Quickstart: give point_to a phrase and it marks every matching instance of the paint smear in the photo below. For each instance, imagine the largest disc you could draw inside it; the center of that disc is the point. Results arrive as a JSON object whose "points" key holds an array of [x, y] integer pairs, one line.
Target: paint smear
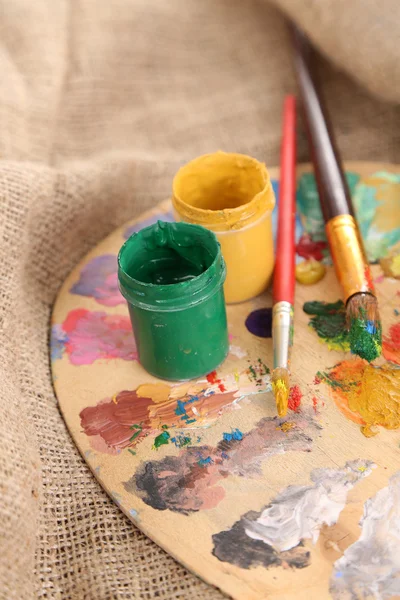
{"points": [[237, 351], [370, 568], [295, 397], [329, 323], [188, 406], [299, 511], [259, 322], [158, 392], [234, 546], [190, 481], [367, 394], [376, 203], [307, 248], [391, 265], [88, 336], [168, 217], [391, 344], [99, 280]]}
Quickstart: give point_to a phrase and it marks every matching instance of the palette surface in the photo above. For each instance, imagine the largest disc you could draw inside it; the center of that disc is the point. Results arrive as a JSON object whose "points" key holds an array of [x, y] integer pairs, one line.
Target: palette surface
{"points": [[305, 506]]}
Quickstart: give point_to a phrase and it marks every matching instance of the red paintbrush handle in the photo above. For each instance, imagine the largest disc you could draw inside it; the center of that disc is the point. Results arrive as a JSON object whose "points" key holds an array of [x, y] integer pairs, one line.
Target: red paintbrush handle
{"points": [[284, 279]]}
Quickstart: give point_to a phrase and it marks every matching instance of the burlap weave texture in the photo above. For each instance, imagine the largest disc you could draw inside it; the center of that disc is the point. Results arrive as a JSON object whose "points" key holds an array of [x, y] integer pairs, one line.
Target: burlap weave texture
{"points": [[100, 102]]}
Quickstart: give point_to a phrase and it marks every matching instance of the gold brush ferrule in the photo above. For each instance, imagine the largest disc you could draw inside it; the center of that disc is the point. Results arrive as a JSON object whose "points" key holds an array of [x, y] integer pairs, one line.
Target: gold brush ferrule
{"points": [[351, 265], [282, 333]]}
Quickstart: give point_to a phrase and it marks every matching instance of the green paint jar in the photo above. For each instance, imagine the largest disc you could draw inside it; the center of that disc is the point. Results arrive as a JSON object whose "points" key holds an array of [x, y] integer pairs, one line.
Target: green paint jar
{"points": [[172, 276]]}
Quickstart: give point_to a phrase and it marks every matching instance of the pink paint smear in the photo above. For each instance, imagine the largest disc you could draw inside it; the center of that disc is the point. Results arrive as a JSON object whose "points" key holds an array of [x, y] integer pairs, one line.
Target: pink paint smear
{"points": [[89, 336]]}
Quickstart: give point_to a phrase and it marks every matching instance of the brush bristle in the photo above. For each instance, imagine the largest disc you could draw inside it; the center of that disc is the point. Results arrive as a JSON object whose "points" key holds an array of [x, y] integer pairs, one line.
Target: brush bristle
{"points": [[365, 330], [281, 388]]}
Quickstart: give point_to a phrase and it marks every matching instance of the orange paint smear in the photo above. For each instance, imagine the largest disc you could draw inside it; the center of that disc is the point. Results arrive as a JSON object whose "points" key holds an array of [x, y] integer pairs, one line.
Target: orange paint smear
{"points": [[391, 344], [366, 394]]}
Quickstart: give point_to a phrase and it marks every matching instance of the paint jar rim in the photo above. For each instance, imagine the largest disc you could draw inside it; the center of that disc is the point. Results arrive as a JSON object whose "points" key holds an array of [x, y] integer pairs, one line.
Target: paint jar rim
{"points": [[175, 296], [259, 204]]}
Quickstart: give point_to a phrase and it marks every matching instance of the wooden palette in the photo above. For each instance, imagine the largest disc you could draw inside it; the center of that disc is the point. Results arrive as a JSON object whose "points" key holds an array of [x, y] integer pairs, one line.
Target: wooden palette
{"points": [[188, 462]]}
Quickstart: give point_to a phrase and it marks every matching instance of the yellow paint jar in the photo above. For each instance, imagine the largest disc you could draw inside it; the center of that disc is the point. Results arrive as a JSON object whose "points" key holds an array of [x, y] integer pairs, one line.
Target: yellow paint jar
{"points": [[232, 195]]}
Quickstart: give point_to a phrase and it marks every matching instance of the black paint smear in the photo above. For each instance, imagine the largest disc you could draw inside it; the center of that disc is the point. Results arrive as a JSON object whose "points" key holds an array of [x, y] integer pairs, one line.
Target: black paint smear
{"points": [[259, 322], [237, 548]]}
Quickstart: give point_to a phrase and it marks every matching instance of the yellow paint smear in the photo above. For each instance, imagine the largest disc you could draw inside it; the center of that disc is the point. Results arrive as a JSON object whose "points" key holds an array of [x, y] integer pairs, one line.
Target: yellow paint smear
{"points": [[377, 399], [287, 426], [391, 266], [158, 392], [281, 393]]}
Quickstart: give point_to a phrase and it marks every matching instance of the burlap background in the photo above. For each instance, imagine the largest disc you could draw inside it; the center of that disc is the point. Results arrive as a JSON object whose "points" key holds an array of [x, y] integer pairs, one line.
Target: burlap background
{"points": [[100, 101]]}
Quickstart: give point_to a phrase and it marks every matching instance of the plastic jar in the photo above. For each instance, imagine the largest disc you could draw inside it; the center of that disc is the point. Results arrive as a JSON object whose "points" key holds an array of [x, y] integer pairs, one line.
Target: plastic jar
{"points": [[232, 195], [172, 276]]}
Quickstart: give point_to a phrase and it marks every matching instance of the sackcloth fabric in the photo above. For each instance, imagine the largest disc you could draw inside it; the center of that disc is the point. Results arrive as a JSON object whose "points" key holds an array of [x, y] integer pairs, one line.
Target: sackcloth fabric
{"points": [[100, 103]]}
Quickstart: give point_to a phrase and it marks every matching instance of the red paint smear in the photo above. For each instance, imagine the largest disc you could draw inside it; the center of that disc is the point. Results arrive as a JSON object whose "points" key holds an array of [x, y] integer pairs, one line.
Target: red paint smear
{"points": [[213, 379], [295, 397], [315, 403], [317, 380], [391, 344], [307, 248], [368, 277]]}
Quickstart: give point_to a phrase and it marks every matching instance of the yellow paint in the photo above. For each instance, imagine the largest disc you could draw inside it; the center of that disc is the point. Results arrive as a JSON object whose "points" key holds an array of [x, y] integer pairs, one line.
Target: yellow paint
{"points": [[232, 195], [281, 393], [309, 271], [287, 426], [377, 398], [158, 392], [391, 265], [387, 216]]}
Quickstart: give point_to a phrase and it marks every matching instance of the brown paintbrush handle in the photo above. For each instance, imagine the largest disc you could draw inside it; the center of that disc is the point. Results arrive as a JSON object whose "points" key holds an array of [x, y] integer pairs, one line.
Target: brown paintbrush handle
{"points": [[332, 185]]}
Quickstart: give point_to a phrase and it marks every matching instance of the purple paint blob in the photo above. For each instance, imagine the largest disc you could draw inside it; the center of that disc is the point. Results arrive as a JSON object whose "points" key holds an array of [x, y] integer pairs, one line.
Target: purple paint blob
{"points": [[99, 280], [259, 322]]}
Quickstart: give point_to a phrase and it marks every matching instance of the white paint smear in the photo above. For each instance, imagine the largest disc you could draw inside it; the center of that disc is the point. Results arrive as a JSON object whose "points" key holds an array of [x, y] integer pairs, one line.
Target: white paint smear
{"points": [[370, 568], [236, 351], [299, 511]]}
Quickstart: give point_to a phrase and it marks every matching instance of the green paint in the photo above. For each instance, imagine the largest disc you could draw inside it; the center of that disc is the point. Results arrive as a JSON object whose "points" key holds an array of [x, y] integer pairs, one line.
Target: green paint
{"points": [[326, 377], [132, 451], [161, 439], [137, 433], [371, 193], [329, 323], [365, 341], [172, 276], [264, 370], [309, 207]]}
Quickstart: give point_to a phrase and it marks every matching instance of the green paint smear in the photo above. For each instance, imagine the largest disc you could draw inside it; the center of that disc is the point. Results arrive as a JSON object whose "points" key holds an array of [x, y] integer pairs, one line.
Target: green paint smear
{"points": [[325, 377], [308, 205], [368, 194], [367, 344], [161, 439], [329, 323]]}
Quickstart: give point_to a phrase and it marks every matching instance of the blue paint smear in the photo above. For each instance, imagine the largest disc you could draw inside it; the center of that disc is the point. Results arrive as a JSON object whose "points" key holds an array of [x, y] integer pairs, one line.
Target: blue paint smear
{"points": [[235, 435], [168, 217], [370, 327], [58, 340], [205, 461], [180, 409]]}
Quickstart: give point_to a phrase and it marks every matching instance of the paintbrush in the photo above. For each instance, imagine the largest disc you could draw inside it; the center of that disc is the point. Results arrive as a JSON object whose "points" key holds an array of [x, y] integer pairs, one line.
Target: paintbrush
{"points": [[351, 265], [284, 278]]}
